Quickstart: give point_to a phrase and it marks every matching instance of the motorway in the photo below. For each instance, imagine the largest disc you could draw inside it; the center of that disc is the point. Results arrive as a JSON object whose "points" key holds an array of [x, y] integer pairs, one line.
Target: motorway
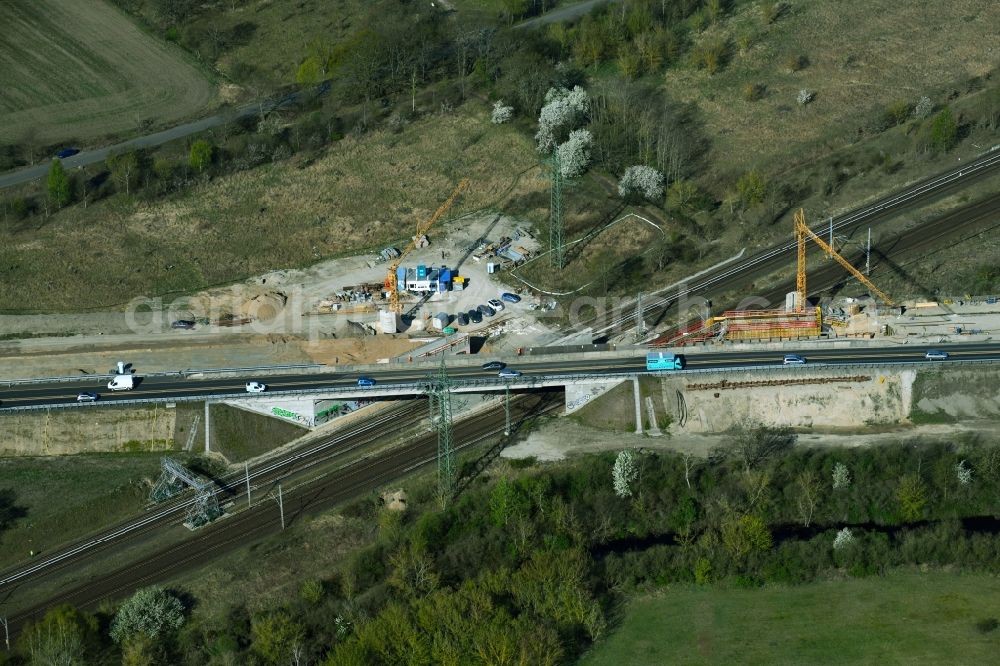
{"points": [[781, 256], [243, 527], [552, 370]]}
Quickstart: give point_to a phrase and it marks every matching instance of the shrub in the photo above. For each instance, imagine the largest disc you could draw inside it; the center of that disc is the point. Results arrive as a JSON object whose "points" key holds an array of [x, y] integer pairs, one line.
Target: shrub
{"points": [[841, 476], [702, 571], [501, 113], [710, 55], [805, 96], [898, 112], [753, 91], [796, 62]]}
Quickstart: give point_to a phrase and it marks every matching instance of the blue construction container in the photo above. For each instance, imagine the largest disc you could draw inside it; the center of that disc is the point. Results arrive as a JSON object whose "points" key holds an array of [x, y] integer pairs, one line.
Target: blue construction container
{"points": [[400, 278], [444, 279], [421, 272]]}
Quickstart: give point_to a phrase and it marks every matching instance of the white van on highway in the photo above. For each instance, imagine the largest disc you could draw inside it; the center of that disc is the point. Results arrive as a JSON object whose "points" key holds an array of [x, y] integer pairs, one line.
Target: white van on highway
{"points": [[122, 383]]}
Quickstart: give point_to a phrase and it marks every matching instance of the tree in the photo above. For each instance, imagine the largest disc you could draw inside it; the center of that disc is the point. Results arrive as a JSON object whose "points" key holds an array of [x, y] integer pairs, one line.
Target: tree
{"points": [[151, 611], [275, 637], [642, 180], [745, 534], [753, 443], [964, 473], [841, 476], [574, 155], [124, 168], [752, 188], [58, 185], [923, 107], [624, 473], [201, 154], [805, 96], [563, 111], [807, 499], [843, 539], [682, 194], [912, 496], [944, 131], [62, 637]]}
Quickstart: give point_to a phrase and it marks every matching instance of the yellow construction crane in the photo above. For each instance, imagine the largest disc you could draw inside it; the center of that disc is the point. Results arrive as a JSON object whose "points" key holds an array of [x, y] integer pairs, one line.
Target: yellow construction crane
{"points": [[801, 232], [391, 281]]}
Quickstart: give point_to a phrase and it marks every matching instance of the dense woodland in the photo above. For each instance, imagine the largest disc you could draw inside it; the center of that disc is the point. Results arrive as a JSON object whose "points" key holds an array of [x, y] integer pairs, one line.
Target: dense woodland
{"points": [[529, 563]]}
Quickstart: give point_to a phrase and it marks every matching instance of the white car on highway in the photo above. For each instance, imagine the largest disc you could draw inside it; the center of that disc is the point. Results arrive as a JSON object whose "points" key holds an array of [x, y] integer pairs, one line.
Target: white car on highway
{"points": [[256, 387]]}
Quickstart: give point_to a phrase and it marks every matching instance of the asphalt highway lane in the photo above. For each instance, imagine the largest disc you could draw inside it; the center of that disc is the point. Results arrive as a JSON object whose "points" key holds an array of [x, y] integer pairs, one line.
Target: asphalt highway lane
{"points": [[263, 519], [56, 394]]}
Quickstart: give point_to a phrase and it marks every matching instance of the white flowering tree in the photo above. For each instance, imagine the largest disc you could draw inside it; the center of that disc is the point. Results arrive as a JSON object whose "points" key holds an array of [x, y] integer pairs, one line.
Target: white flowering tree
{"points": [[964, 473], [642, 180], [805, 96], [574, 155], [923, 107], [841, 476], [151, 611], [501, 112], [563, 111], [624, 473], [843, 539]]}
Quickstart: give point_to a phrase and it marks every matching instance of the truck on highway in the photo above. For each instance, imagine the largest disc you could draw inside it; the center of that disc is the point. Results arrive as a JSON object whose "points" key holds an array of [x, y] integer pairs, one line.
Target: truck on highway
{"points": [[122, 383], [658, 360]]}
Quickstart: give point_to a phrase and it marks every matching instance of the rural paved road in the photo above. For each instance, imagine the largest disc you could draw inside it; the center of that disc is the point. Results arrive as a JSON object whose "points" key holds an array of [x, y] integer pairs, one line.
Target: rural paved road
{"points": [[88, 157], [566, 13]]}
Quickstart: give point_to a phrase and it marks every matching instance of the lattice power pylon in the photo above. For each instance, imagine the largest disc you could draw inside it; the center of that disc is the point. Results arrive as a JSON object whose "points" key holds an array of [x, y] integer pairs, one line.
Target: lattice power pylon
{"points": [[174, 478], [556, 214], [440, 405]]}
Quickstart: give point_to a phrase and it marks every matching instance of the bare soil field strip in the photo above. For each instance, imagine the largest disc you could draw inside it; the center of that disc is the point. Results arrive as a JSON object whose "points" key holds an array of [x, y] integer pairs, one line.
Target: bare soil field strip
{"points": [[82, 70]]}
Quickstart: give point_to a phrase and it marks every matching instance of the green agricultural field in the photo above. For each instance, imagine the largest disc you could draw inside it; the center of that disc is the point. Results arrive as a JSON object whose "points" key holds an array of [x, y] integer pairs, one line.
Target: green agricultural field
{"points": [[82, 70], [45, 502], [903, 618], [363, 194]]}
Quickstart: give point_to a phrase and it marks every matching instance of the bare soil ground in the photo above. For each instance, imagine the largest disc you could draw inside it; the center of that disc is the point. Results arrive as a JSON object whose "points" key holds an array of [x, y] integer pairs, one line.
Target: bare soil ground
{"points": [[62, 432], [241, 351], [82, 70], [862, 55], [558, 439]]}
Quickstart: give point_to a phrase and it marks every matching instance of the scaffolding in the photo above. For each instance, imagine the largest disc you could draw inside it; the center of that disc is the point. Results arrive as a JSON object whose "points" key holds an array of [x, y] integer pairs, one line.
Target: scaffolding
{"points": [[174, 478], [747, 325]]}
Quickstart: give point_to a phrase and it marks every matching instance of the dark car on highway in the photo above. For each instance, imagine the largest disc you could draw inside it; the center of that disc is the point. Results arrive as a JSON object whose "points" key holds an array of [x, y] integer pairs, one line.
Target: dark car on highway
{"points": [[494, 365], [186, 324], [67, 152]]}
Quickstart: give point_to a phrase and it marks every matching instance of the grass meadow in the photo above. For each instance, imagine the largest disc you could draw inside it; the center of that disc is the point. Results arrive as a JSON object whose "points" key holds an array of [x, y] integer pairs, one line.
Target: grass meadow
{"points": [[61, 498], [240, 435], [859, 56], [902, 618], [82, 70]]}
